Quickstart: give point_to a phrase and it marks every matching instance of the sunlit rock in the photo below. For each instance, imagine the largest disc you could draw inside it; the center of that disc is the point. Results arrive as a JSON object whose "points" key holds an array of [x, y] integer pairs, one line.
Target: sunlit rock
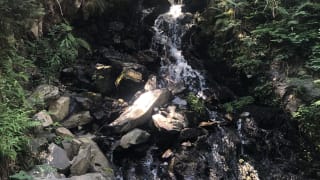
{"points": [[141, 110], [169, 120]]}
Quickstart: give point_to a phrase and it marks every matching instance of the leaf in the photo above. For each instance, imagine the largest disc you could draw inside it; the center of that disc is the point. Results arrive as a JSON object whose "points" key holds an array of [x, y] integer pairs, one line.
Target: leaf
{"points": [[84, 44]]}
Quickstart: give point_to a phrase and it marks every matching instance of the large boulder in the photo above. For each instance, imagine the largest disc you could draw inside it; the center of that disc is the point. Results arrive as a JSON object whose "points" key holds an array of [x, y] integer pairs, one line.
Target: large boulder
{"points": [[59, 109], [99, 163], [43, 93], [134, 137], [82, 162], [58, 158], [79, 119], [141, 110]]}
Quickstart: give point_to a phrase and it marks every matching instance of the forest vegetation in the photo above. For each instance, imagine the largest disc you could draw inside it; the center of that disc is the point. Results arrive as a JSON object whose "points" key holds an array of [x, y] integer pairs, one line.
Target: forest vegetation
{"points": [[248, 36]]}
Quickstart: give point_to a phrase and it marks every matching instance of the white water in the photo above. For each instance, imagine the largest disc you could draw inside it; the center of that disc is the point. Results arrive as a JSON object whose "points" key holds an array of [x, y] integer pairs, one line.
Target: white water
{"points": [[175, 69]]}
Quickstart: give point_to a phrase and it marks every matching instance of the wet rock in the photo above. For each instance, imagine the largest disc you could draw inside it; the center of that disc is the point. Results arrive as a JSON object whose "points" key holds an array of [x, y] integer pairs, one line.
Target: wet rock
{"points": [[177, 88], [192, 133], [82, 162], [151, 84], [180, 102], [140, 111], [59, 109], [267, 117], [99, 163], [43, 93], [79, 119], [44, 118], [58, 157], [169, 120], [64, 132], [134, 137]]}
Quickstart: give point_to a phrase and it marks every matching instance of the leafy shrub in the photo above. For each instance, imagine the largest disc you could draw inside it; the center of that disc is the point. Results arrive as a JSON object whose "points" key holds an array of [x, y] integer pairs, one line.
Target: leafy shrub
{"points": [[196, 104], [57, 50], [22, 175], [238, 104], [309, 119]]}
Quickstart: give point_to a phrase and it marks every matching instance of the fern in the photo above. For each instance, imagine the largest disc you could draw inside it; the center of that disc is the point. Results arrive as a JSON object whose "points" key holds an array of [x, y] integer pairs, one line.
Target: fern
{"points": [[57, 50]]}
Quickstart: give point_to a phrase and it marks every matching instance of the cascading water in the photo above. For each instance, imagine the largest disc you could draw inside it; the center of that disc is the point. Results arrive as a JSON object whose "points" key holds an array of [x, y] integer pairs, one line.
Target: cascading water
{"points": [[222, 152], [169, 29]]}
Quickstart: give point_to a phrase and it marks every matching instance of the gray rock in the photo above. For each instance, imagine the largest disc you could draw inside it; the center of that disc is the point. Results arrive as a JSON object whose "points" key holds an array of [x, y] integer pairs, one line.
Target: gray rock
{"points": [[58, 158], [81, 163], [78, 119], [134, 137], [84, 102], [91, 176], [64, 132], [67, 146], [43, 93], [141, 110], [44, 118], [59, 109], [99, 163]]}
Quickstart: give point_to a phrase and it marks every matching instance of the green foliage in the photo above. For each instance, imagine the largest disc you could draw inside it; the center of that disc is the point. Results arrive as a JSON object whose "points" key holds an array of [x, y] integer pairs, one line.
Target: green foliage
{"points": [[57, 50], [264, 94], [21, 175], [15, 17], [196, 104], [249, 34], [309, 119], [14, 124], [238, 104]]}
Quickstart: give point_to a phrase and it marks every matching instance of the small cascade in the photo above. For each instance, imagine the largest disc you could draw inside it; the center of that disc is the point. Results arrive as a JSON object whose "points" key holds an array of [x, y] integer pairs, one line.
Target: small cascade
{"points": [[169, 29], [239, 129]]}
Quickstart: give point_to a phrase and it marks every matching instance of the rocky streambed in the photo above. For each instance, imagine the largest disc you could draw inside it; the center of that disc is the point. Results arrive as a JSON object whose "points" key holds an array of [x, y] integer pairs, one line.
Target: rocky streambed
{"points": [[126, 113]]}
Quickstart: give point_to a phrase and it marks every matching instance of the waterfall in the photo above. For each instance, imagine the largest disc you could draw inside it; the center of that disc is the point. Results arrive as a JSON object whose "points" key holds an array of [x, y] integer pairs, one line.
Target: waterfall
{"points": [[169, 29]]}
